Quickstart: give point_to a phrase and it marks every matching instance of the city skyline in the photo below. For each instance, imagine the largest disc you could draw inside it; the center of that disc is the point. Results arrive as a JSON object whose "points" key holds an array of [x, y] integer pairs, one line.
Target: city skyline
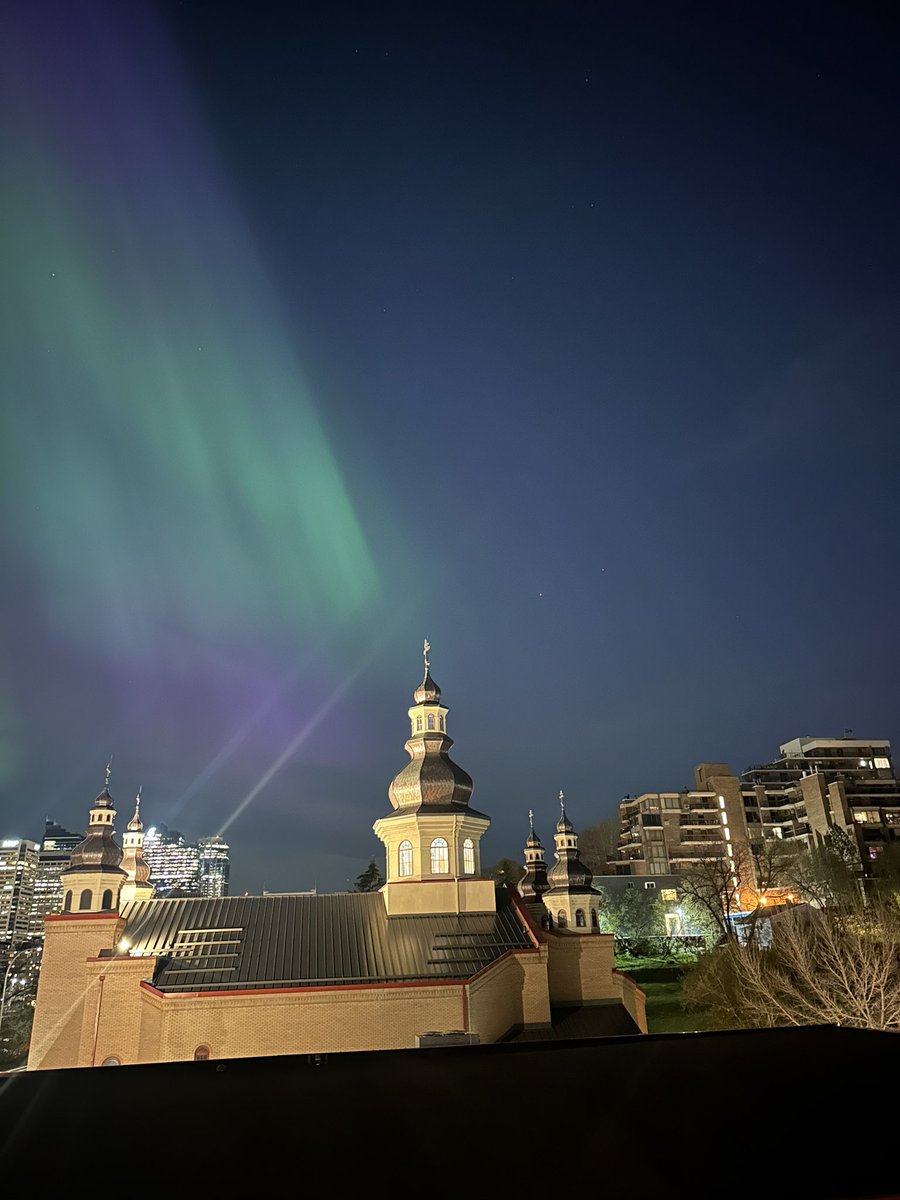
{"points": [[562, 335]]}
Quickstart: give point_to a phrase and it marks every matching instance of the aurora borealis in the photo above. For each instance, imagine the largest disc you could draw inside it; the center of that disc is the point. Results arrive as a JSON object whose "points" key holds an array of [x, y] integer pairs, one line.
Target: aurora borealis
{"points": [[323, 332]]}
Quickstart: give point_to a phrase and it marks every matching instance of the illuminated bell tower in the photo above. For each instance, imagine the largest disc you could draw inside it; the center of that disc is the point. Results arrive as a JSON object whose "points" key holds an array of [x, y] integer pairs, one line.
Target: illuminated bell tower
{"points": [[570, 899], [534, 882], [92, 880], [432, 838], [137, 885]]}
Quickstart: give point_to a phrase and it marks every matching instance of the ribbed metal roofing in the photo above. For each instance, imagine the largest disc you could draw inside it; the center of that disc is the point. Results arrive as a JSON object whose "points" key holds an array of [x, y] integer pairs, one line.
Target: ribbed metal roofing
{"points": [[243, 942]]}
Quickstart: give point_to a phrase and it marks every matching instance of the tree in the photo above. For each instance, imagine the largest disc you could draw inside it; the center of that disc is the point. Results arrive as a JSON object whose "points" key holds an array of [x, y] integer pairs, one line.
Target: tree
{"points": [[724, 885], [827, 873], [505, 870], [370, 880], [713, 885], [597, 845], [838, 965]]}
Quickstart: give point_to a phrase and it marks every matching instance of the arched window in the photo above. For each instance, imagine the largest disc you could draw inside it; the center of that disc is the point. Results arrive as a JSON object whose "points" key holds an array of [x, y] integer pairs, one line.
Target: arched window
{"points": [[201, 1054], [431, 720], [468, 857], [107, 899], [67, 907], [440, 858], [595, 924], [561, 919], [546, 921], [112, 1061], [443, 726], [579, 919], [418, 724], [85, 901], [405, 857]]}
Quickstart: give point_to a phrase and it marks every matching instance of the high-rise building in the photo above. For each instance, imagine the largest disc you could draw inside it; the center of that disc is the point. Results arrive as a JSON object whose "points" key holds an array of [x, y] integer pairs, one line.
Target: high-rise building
{"points": [[57, 845], [214, 866], [18, 868], [174, 863], [815, 785]]}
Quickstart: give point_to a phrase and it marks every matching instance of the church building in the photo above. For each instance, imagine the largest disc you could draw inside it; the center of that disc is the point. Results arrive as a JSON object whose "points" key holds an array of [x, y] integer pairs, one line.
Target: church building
{"points": [[438, 951]]}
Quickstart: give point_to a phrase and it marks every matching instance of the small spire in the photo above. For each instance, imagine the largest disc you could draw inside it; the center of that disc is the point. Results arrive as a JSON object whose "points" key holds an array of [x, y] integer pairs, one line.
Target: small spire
{"points": [[426, 647], [562, 801], [137, 801], [531, 819], [108, 773]]}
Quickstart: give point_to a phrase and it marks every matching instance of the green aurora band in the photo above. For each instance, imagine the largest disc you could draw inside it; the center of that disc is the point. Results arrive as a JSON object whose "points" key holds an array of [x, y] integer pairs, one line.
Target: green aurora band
{"points": [[168, 480]]}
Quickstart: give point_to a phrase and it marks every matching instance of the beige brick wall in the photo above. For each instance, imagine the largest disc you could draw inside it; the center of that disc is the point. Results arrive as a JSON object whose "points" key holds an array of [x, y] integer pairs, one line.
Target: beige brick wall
{"points": [[512, 992], [580, 969], [634, 1000], [113, 1010], [63, 985], [300, 1021]]}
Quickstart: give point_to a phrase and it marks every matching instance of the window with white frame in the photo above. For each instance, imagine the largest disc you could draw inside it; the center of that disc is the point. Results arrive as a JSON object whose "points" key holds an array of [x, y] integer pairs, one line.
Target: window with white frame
{"points": [[440, 857], [468, 857], [404, 854]]}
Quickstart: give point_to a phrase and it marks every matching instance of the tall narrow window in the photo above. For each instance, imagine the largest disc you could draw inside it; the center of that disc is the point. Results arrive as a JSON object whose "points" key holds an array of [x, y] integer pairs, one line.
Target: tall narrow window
{"points": [[418, 724], [67, 907], [443, 726], [85, 901], [594, 922], [431, 720], [468, 857], [440, 858], [579, 918], [107, 899], [561, 919], [405, 857]]}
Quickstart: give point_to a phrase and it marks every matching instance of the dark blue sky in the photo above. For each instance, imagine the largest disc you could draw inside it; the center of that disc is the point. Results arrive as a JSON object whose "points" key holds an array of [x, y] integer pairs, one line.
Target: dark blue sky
{"points": [[597, 308]]}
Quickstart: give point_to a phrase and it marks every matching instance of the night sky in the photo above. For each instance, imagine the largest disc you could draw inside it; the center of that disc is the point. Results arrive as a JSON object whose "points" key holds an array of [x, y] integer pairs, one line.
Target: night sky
{"points": [[563, 334]]}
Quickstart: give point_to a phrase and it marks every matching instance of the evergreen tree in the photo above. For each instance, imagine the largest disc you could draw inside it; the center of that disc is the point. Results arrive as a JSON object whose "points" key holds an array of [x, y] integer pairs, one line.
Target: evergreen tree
{"points": [[370, 880]]}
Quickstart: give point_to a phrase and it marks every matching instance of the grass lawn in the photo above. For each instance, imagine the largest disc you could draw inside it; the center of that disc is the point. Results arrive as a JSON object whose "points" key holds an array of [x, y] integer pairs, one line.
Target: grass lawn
{"points": [[664, 1011], [661, 981]]}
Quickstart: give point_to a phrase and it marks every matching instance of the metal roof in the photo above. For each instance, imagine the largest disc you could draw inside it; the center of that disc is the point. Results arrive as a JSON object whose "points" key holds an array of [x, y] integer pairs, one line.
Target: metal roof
{"points": [[246, 942]]}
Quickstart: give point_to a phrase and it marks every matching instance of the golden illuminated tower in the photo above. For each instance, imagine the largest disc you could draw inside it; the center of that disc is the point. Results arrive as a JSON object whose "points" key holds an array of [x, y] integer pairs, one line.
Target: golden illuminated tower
{"points": [[432, 838], [570, 899], [137, 885], [92, 880]]}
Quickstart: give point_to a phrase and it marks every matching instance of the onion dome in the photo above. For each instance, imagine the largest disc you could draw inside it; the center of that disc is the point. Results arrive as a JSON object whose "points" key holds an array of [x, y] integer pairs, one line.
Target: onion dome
{"points": [[431, 779], [563, 825], [99, 851], [136, 825], [568, 873], [428, 691], [534, 883], [133, 862]]}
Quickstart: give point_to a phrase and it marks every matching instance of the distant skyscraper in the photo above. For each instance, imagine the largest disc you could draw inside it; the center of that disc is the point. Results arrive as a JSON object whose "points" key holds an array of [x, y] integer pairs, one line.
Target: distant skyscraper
{"points": [[57, 845], [18, 868], [174, 863], [214, 866]]}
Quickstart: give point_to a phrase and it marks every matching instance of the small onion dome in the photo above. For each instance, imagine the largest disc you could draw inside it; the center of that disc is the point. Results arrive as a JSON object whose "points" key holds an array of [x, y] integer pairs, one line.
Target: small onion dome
{"points": [[136, 825], [534, 842], [564, 825], [428, 691], [104, 800]]}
